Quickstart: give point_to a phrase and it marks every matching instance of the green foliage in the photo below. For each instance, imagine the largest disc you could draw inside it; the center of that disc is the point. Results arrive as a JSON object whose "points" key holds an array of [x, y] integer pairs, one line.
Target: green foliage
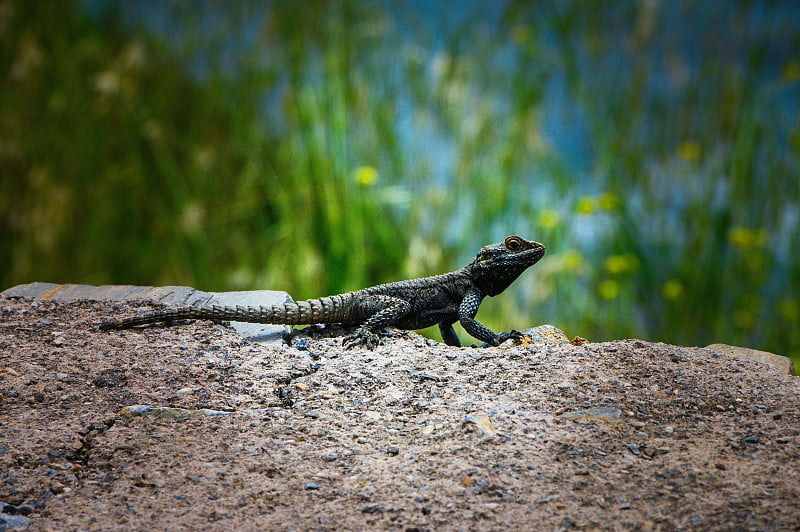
{"points": [[321, 149]]}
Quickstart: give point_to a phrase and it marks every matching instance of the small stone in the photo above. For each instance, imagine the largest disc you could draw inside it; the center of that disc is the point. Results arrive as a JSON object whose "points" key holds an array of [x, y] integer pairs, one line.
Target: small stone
{"points": [[625, 506], [751, 439], [372, 509], [8, 522], [7, 508], [632, 447], [301, 344], [483, 422], [567, 523], [600, 413], [393, 450], [311, 486], [330, 458], [784, 439], [25, 508]]}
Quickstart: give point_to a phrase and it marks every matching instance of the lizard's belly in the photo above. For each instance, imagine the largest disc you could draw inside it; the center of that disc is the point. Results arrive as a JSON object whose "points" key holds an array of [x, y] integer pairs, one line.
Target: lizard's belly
{"points": [[428, 319]]}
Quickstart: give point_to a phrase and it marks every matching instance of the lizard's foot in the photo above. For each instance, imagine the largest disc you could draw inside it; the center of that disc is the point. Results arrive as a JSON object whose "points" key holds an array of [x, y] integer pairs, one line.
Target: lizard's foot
{"points": [[362, 336], [502, 337], [510, 335]]}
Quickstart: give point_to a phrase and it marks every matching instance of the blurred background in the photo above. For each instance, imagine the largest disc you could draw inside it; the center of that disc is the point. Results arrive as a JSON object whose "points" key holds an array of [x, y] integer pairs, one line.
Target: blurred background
{"points": [[323, 146]]}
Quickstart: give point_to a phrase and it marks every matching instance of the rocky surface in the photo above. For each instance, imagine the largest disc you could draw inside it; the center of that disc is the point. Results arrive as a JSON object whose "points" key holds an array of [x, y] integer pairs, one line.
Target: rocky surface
{"points": [[192, 427]]}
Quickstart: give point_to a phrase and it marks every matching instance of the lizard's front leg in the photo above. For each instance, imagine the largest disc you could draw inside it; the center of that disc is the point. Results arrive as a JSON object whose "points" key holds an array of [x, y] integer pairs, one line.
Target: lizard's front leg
{"points": [[389, 310], [466, 315]]}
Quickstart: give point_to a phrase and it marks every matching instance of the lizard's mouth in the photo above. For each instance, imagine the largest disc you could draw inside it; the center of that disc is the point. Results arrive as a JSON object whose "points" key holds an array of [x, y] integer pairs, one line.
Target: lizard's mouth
{"points": [[533, 255]]}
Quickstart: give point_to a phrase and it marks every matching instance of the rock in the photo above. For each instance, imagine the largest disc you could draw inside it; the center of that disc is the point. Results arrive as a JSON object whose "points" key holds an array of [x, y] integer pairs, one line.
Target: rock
{"points": [[8, 522], [301, 344], [169, 412], [779, 362], [600, 413], [545, 333], [170, 295], [483, 422]]}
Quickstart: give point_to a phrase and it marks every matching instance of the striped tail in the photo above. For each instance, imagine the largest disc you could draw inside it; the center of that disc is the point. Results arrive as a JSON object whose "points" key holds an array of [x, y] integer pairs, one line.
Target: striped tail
{"points": [[331, 309]]}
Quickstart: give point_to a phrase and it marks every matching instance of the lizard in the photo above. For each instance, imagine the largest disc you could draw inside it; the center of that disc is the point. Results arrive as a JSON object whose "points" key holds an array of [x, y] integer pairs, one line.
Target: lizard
{"points": [[413, 304]]}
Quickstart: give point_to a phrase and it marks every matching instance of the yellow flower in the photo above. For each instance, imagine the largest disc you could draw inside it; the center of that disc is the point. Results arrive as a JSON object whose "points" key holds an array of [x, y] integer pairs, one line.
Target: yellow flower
{"points": [[616, 264], [585, 205], [548, 219], [521, 34], [672, 289], [609, 201], [744, 238], [791, 70], [609, 289], [572, 260], [689, 151], [366, 176]]}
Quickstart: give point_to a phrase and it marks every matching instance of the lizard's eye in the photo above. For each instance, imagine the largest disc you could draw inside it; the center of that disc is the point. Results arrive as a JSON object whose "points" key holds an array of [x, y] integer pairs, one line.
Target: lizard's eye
{"points": [[513, 243]]}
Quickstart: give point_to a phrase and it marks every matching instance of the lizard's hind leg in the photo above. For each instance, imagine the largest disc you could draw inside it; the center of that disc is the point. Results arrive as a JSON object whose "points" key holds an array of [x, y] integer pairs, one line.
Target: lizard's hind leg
{"points": [[383, 311]]}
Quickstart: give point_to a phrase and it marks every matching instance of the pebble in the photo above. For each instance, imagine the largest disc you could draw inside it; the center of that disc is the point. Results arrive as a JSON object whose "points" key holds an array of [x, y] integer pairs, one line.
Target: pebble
{"points": [[601, 413], [311, 486], [393, 450], [301, 344], [751, 439], [13, 521], [483, 423]]}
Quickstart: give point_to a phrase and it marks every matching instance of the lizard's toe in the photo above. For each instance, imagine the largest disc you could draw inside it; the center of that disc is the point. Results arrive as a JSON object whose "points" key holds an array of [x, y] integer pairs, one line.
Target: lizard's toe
{"points": [[363, 337], [509, 335]]}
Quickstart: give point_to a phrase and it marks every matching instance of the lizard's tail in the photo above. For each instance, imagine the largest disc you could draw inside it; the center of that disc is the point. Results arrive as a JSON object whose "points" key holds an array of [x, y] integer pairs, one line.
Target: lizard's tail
{"points": [[325, 310]]}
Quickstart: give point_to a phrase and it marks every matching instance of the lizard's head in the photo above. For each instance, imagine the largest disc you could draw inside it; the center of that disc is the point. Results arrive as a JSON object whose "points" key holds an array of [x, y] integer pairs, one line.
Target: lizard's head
{"points": [[497, 266]]}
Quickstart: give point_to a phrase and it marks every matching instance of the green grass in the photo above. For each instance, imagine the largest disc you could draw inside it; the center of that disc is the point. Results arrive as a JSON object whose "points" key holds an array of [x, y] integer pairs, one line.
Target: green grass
{"points": [[324, 149]]}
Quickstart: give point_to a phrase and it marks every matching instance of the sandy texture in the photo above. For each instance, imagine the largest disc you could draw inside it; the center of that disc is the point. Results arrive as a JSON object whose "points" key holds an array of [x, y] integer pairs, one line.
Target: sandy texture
{"points": [[411, 436]]}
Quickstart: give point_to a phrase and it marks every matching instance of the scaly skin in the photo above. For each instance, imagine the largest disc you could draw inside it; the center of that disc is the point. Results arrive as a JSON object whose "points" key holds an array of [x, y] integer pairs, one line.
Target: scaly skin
{"points": [[415, 304]]}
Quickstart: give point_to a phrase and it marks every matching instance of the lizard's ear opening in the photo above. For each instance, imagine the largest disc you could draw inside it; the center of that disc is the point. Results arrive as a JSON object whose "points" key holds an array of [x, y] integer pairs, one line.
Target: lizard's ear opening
{"points": [[482, 256]]}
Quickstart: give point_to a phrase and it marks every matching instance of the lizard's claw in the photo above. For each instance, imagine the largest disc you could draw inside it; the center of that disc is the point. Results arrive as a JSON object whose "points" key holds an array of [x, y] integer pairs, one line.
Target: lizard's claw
{"points": [[509, 335], [361, 336], [502, 337]]}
